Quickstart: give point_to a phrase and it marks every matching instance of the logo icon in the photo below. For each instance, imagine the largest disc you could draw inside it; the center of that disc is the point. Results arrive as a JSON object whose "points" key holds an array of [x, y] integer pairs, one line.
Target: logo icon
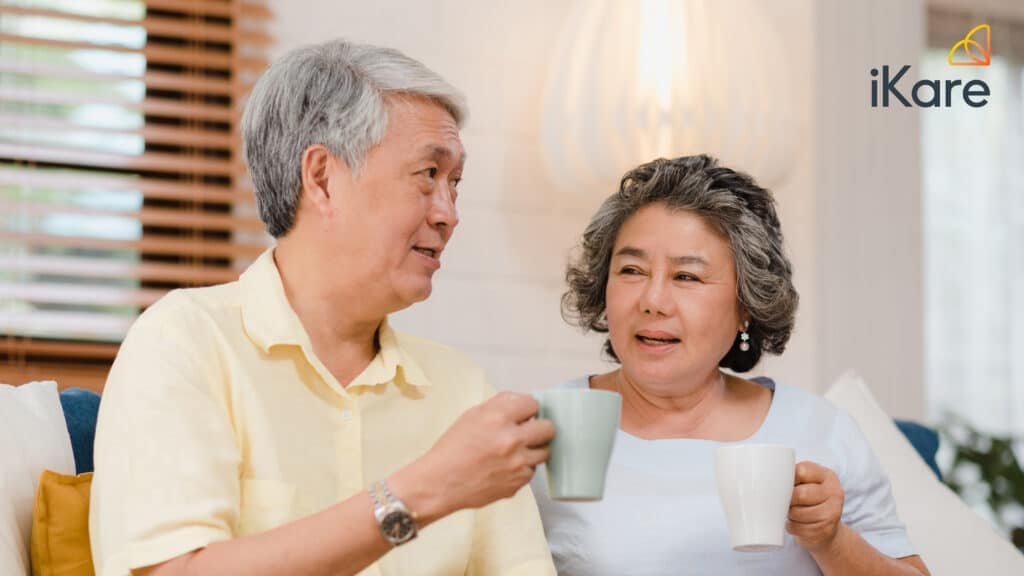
{"points": [[969, 51]]}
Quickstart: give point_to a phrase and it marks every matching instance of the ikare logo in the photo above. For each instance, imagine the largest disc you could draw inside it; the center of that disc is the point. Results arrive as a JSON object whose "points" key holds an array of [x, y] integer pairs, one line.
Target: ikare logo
{"points": [[975, 49]]}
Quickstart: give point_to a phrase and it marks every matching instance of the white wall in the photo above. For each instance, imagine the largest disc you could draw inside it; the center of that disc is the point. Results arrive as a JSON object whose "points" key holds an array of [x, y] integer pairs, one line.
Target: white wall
{"points": [[868, 188], [497, 296]]}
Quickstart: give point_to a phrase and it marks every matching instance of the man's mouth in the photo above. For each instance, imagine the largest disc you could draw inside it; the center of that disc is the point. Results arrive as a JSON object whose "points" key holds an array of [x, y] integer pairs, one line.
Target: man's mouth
{"points": [[426, 251]]}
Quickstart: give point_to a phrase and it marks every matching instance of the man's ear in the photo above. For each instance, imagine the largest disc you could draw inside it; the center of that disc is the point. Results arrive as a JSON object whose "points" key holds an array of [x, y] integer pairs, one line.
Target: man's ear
{"points": [[318, 167]]}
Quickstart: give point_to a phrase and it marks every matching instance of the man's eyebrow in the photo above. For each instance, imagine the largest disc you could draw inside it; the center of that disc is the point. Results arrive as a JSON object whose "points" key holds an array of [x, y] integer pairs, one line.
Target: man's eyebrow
{"points": [[435, 151]]}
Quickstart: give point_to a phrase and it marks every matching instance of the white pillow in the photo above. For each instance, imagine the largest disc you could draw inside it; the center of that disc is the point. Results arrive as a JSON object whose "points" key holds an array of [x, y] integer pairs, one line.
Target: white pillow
{"points": [[950, 537], [33, 437]]}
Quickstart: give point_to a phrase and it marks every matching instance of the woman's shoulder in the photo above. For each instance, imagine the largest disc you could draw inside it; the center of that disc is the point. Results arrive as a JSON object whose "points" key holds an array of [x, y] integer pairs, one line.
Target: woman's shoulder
{"points": [[797, 398], [800, 410], [577, 382]]}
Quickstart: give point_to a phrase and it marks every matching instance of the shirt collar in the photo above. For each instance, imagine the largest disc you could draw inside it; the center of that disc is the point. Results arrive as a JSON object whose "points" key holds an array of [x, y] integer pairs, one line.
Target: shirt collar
{"points": [[391, 363], [270, 321], [268, 317]]}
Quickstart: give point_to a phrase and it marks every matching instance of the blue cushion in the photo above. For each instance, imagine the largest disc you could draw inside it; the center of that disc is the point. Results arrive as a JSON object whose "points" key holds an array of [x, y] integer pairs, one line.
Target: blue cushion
{"points": [[81, 407], [924, 440]]}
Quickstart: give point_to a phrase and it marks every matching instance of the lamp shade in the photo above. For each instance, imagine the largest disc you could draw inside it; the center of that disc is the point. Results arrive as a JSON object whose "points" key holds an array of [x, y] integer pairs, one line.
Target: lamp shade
{"points": [[631, 81]]}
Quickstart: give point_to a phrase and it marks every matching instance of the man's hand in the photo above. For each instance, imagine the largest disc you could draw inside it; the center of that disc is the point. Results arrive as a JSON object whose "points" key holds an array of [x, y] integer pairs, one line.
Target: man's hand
{"points": [[816, 507], [489, 453]]}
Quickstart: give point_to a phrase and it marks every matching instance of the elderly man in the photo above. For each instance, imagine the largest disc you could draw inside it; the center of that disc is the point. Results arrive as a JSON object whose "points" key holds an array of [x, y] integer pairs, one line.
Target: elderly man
{"points": [[278, 424]]}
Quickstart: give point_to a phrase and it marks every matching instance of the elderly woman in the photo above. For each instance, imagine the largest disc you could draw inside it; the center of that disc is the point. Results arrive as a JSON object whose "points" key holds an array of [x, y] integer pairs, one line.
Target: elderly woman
{"points": [[684, 269]]}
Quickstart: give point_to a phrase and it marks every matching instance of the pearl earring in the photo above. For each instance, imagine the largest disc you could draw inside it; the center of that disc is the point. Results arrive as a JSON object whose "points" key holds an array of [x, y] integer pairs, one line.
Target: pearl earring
{"points": [[745, 337]]}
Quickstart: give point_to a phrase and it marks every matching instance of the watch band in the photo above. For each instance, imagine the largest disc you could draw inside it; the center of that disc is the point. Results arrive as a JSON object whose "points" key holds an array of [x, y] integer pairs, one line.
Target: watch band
{"points": [[397, 522], [376, 494], [388, 496]]}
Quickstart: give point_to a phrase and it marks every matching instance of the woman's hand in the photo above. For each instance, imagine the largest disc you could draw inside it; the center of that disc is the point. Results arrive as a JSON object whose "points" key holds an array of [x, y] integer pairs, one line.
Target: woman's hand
{"points": [[816, 507]]}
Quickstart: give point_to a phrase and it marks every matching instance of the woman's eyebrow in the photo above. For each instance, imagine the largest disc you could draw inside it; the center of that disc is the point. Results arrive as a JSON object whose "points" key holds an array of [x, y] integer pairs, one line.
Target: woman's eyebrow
{"points": [[631, 251], [688, 260], [677, 260]]}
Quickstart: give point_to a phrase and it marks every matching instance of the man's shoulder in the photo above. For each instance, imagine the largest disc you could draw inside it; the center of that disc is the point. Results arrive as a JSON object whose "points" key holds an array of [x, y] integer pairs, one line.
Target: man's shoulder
{"points": [[185, 307], [435, 357]]}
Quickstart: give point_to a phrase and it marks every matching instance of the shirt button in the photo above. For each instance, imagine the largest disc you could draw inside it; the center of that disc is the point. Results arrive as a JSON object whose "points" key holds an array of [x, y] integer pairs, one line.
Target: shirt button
{"points": [[346, 415]]}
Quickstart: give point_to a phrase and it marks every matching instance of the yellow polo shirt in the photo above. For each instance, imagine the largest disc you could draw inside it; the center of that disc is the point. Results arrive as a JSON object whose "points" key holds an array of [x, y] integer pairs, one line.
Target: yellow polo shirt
{"points": [[219, 421]]}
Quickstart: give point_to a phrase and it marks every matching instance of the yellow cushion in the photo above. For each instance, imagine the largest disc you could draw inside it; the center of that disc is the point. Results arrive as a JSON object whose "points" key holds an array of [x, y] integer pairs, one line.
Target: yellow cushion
{"points": [[60, 526]]}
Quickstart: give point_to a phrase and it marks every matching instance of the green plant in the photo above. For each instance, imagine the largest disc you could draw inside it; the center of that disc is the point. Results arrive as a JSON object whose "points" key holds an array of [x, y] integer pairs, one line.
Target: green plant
{"points": [[986, 473]]}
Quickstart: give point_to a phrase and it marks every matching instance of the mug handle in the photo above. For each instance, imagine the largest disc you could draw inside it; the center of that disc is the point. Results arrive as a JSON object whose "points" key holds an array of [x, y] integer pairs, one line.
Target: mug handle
{"points": [[538, 395]]}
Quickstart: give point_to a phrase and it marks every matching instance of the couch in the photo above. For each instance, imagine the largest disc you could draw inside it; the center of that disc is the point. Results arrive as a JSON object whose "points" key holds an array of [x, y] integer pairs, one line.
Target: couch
{"points": [[952, 539], [82, 406]]}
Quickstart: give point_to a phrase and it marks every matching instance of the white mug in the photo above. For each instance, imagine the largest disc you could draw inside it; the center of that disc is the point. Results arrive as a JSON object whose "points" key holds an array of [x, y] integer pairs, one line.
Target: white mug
{"points": [[755, 485]]}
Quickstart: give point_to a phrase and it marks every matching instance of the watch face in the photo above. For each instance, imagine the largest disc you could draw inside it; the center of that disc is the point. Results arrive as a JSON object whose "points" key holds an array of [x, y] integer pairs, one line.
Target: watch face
{"points": [[398, 526]]}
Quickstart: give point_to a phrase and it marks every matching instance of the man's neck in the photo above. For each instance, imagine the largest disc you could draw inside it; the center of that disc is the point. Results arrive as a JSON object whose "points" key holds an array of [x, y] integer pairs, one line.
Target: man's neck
{"points": [[340, 321]]}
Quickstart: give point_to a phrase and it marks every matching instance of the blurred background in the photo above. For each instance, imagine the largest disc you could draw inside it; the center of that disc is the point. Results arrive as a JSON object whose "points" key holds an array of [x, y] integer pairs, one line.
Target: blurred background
{"points": [[120, 178]]}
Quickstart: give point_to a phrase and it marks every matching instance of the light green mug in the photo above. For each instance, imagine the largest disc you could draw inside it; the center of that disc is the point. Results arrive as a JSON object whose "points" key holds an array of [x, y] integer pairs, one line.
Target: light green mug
{"points": [[586, 422]]}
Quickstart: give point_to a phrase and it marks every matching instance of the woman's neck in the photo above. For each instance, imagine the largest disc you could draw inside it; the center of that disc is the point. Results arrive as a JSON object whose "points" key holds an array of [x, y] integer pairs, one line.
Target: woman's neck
{"points": [[717, 407]]}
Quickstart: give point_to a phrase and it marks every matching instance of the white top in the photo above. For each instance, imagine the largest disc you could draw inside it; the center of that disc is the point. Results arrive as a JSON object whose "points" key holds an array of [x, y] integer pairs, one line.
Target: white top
{"points": [[661, 514]]}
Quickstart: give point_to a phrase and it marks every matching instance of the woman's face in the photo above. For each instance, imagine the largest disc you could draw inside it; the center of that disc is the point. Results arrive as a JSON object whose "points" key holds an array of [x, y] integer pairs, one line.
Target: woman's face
{"points": [[671, 299]]}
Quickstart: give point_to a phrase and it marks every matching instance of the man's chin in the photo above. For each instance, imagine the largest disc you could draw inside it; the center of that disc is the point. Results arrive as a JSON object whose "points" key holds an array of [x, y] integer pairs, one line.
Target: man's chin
{"points": [[415, 294]]}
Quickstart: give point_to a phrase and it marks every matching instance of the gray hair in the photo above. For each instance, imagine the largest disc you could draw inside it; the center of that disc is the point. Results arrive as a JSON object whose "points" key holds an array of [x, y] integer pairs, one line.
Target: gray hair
{"points": [[334, 94], [729, 201]]}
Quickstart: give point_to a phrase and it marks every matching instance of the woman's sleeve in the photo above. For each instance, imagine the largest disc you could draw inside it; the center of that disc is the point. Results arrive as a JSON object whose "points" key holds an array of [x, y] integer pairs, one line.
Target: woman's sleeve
{"points": [[869, 507]]}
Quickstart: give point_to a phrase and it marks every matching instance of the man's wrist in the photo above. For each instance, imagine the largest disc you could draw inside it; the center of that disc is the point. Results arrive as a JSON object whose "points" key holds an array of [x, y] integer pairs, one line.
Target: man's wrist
{"points": [[421, 494], [397, 523]]}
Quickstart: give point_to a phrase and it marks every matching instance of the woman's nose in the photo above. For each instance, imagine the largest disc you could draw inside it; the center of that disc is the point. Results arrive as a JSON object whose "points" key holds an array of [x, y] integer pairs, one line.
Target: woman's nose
{"points": [[654, 299]]}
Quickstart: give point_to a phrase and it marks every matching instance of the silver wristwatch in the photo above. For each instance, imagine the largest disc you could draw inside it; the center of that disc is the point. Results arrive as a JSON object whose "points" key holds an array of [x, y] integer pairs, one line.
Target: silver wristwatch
{"points": [[396, 522]]}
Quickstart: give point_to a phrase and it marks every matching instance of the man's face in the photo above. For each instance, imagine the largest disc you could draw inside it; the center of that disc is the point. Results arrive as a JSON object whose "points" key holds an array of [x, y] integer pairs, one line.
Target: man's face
{"points": [[391, 223]]}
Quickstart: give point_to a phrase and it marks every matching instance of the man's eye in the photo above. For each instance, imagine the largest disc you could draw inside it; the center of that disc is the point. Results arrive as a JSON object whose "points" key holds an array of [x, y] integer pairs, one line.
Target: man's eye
{"points": [[430, 172], [629, 270], [687, 278]]}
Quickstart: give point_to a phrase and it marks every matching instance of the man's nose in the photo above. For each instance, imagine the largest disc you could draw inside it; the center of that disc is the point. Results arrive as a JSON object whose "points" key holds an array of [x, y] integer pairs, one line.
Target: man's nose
{"points": [[443, 213]]}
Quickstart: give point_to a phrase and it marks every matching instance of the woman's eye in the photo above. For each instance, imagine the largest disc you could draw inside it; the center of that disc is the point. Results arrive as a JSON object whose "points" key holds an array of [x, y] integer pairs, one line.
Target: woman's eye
{"points": [[629, 270], [429, 172], [687, 278]]}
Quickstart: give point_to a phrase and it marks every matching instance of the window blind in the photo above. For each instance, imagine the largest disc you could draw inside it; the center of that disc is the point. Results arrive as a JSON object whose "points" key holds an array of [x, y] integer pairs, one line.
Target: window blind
{"points": [[121, 174]]}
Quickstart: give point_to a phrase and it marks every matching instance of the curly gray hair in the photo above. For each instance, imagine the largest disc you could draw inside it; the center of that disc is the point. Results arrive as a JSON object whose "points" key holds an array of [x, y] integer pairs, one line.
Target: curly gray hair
{"points": [[333, 94], [734, 205]]}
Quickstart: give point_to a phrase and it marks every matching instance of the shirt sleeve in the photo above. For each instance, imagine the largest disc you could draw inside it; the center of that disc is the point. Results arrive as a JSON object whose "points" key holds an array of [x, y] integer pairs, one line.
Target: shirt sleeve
{"points": [[166, 480], [508, 537], [869, 506]]}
